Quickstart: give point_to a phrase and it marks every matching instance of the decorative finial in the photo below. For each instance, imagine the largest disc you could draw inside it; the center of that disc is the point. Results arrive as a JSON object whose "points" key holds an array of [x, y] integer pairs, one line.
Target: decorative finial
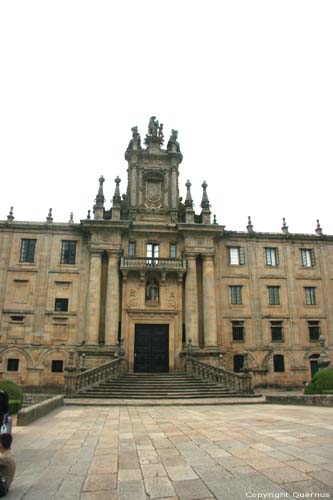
{"points": [[100, 199], [89, 215], [249, 226], [188, 199], [116, 197], [214, 220], [319, 230], [204, 201], [284, 227], [71, 218], [49, 217], [10, 216]]}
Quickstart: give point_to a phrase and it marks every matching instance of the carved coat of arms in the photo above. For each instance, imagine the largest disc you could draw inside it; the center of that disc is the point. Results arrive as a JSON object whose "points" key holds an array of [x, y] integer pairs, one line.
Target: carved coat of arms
{"points": [[153, 193]]}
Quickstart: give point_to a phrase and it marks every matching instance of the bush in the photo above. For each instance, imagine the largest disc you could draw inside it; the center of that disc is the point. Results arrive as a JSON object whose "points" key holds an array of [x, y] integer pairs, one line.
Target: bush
{"points": [[322, 383], [15, 394], [14, 406]]}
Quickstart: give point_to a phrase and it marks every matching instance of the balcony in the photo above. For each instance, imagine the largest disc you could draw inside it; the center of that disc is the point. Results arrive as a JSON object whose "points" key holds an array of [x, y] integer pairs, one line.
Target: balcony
{"points": [[146, 263]]}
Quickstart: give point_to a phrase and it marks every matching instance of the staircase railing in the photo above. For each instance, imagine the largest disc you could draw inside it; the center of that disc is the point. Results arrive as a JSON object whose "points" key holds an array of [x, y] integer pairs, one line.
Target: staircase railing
{"points": [[75, 382], [234, 381]]}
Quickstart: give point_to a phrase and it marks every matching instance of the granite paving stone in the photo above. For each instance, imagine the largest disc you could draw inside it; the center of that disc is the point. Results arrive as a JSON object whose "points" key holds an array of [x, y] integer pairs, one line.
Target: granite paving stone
{"points": [[174, 452]]}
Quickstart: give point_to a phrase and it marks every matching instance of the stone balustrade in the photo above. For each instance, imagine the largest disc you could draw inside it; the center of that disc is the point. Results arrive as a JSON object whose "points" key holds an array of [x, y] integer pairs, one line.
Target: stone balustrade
{"points": [[75, 382], [142, 263], [236, 382]]}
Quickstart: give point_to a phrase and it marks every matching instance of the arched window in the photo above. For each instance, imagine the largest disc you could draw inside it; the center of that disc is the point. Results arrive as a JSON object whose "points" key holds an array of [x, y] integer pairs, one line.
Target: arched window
{"points": [[238, 362], [278, 363]]}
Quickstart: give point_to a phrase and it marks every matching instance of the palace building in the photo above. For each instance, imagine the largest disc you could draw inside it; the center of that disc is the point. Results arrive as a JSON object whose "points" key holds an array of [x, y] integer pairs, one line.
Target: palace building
{"points": [[150, 277]]}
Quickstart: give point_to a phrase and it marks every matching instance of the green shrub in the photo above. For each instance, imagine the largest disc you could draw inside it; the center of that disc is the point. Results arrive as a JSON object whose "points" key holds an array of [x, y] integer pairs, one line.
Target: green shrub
{"points": [[15, 394], [14, 406], [322, 383]]}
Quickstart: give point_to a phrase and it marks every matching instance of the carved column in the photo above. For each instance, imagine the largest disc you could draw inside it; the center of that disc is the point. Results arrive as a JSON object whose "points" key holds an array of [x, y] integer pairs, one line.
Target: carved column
{"points": [[112, 301], [94, 298], [209, 302], [191, 301], [134, 184]]}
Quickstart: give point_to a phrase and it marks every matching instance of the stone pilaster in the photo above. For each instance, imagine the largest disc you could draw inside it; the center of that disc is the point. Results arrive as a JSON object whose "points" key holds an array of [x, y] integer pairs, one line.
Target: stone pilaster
{"points": [[191, 301], [209, 302], [94, 298], [112, 301], [174, 187]]}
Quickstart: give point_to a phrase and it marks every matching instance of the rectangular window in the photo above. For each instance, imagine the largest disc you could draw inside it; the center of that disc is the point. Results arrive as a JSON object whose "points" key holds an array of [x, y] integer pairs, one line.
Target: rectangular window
{"points": [[307, 257], [314, 330], [277, 331], [278, 362], [27, 253], [61, 305], [153, 252], [57, 366], [12, 365], [131, 249], [236, 256], [272, 257], [173, 250], [68, 252], [236, 294], [238, 331], [310, 295], [274, 295]]}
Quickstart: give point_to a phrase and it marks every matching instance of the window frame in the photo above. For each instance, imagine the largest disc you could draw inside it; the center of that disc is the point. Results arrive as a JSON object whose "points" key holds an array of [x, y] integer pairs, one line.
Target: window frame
{"points": [[269, 253], [310, 295], [173, 250], [238, 325], [307, 258], [53, 361], [314, 326], [28, 250], [274, 295], [132, 248], [236, 297], [277, 367], [239, 252], [68, 256], [16, 365], [61, 302], [275, 326]]}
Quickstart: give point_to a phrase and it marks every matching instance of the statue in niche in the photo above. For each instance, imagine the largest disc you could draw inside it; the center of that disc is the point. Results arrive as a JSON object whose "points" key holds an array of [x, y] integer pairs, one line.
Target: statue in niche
{"points": [[152, 292]]}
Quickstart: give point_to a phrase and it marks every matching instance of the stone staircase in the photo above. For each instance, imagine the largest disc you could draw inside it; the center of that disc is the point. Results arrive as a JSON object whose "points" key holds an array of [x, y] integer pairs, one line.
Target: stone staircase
{"points": [[157, 386]]}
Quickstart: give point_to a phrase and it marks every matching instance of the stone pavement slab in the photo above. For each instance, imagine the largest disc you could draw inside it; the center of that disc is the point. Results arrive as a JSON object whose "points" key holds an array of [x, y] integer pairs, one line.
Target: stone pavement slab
{"points": [[175, 452]]}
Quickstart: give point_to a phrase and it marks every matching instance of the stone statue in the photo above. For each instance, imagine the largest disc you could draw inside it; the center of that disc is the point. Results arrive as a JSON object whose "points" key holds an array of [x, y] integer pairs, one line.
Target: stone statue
{"points": [[153, 126], [173, 144], [135, 142], [152, 291]]}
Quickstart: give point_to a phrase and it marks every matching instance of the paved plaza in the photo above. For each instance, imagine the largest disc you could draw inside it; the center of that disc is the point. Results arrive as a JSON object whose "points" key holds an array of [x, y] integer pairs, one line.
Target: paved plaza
{"points": [[174, 452]]}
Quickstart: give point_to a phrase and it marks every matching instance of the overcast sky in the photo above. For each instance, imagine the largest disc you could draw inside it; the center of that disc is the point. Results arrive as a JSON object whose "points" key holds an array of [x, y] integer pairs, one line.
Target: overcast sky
{"points": [[247, 84]]}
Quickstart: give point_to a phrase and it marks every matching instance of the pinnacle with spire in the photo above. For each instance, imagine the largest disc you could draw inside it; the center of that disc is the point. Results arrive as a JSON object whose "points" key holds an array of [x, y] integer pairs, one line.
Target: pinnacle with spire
{"points": [[188, 199], [319, 230], [249, 226], [116, 197], [100, 199], [204, 201], [49, 217], [284, 227], [10, 216]]}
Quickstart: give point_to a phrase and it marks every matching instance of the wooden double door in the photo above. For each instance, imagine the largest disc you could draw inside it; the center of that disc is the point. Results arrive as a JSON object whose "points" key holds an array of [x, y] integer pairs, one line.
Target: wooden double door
{"points": [[151, 348]]}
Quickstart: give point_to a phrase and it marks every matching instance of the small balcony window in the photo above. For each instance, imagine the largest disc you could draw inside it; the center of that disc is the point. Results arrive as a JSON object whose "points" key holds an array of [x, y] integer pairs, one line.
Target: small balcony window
{"points": [[12, 364], [61, 305], [57, 366]]}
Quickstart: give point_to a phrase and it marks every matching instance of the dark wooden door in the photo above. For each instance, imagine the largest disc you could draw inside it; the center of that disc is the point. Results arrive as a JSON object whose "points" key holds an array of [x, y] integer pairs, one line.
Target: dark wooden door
{"points": [[151, 348]]}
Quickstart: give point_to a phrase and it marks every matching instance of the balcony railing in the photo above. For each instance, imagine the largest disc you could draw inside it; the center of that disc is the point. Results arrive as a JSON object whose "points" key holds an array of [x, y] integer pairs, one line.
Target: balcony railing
{"points": [[140, 263]]}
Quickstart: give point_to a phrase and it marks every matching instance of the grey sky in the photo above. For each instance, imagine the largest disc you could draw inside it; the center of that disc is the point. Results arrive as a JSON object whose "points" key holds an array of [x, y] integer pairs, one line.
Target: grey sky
{"points": [[248, 85]]}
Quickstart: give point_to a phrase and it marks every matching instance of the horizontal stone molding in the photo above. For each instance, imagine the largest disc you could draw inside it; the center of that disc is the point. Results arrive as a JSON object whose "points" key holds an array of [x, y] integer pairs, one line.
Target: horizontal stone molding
{"points": [[306, 399]]}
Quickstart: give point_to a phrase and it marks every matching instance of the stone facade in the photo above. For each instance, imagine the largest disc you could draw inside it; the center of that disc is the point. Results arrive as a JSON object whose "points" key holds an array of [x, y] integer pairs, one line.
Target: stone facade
{"points": [[151, 260]]}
